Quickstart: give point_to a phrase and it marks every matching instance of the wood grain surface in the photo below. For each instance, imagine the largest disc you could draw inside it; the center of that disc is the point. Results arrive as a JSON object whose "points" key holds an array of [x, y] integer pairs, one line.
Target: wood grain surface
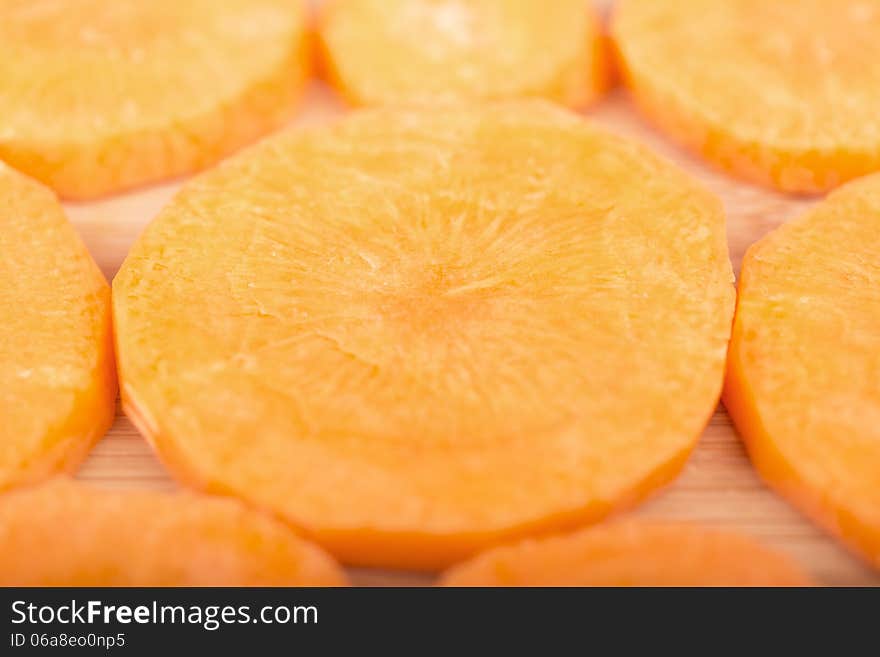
{"points": [[718, 487]]}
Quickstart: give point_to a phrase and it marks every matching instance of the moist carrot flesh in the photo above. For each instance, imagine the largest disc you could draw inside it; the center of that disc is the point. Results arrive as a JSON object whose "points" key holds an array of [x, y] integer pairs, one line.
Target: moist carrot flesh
{"points": [[98, 96], [64, 533], [781, 93], [57, 369], [631, 553], [380, 52], [416, 333], [802, 384]]}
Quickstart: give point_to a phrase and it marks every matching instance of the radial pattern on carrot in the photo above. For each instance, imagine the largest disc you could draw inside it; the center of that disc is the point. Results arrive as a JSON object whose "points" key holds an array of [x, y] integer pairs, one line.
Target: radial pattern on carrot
{"points": [[410, 51], [64, 533], [784, 93], [57, 371], [803, 382], [97, 96], [631, 553], [415, 333]]}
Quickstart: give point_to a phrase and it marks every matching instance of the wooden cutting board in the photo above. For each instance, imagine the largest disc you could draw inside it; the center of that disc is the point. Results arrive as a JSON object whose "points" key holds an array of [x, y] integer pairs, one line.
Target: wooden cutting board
{"points": [[718, 486]]}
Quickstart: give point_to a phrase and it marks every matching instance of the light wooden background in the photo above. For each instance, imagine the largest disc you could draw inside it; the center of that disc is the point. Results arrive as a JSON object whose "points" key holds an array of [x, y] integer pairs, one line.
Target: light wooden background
{"points": [[718, 486]]}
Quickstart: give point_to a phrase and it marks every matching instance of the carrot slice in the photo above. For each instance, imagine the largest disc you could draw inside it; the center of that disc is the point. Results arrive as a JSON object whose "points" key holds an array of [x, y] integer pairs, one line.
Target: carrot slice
{"points": [[415, 333], [64, 533], [783, 93], [803, 384], [631, 553], [57, 372], [404, 51], [98, 96]]}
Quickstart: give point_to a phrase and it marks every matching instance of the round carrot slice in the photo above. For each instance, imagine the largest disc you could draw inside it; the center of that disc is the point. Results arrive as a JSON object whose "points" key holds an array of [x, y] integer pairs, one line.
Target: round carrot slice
{"points": [[415, 333], [783, 93], [406, 51], [631, 553], [803, 384], [63, 533], [57, 375], [97, 96]]}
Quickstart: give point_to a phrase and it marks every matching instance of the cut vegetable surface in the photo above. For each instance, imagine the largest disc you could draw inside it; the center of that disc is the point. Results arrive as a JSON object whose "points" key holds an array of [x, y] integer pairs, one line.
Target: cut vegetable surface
{"points": [[97, 96], [803, 383], [57, 378], [631, 553], [68, 534], [784, 93], [416, 333], [405, 51]]}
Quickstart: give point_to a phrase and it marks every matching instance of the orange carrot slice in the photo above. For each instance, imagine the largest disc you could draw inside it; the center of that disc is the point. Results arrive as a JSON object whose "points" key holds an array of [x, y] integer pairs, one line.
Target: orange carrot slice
{"points": [[784, 93], [416, 333], [405, 51], [97, 96], [803, 384], [631, 553], [57, 372], [63, 533]]}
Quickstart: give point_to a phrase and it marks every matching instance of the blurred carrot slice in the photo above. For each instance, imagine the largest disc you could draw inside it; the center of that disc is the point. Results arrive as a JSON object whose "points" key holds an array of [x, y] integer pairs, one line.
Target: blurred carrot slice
{"points": [[97, 96], [57, 372], [69, 534], [404, 51], [631, 553], [784, 93], [416, 333], [803, 383]]}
